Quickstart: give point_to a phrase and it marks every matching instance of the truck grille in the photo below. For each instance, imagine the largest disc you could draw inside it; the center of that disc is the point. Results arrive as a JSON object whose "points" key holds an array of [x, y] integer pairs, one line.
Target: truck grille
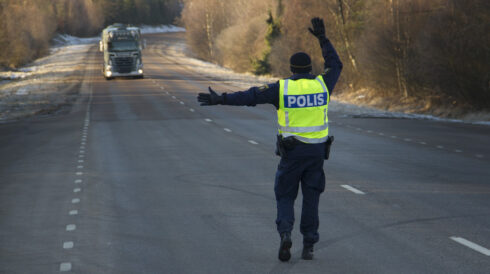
{"points": [[123, 64]]}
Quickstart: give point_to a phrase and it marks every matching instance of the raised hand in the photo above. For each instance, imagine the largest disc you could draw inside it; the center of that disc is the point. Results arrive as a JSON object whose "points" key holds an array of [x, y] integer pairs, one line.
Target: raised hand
{"points": [[318, 27]]}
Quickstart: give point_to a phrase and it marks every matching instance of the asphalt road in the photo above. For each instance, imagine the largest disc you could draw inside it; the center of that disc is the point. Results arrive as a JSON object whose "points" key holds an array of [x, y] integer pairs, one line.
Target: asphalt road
{"points": [[137, 178]]}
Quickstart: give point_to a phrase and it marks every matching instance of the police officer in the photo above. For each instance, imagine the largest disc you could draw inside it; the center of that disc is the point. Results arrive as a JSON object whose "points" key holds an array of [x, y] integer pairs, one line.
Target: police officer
{"points": [[302, 104]]}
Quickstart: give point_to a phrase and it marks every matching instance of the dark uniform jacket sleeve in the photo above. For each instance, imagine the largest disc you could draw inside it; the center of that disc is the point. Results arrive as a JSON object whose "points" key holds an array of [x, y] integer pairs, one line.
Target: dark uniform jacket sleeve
{"points": [[333, 65], [267, 94]]}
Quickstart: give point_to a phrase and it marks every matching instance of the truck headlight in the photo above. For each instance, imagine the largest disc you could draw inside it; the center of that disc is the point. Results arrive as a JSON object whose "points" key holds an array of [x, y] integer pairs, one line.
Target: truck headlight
{"points": [[108, 73], [140, 71]]}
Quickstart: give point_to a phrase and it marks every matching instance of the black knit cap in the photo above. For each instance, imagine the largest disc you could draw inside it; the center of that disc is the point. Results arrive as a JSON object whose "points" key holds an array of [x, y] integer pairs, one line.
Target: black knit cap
{"points": [[300, 63]]}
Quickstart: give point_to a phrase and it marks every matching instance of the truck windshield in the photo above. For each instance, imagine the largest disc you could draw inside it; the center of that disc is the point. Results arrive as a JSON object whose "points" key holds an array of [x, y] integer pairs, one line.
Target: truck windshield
{"points": [[122, 45]]}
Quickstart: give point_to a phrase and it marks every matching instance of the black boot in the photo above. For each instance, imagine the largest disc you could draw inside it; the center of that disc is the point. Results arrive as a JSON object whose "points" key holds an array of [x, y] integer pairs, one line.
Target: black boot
{"points": [[286, 243], [307, 252]]}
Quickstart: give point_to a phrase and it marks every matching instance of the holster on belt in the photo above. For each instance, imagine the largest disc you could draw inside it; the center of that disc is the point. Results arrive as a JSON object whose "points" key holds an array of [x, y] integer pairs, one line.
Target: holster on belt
{"points": [[328, 144], [285, 144]]}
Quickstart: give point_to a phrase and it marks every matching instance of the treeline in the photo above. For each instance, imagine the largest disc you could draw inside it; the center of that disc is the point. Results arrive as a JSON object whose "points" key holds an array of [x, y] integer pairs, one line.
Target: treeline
{"points": [[27, 26], [423, 49]]}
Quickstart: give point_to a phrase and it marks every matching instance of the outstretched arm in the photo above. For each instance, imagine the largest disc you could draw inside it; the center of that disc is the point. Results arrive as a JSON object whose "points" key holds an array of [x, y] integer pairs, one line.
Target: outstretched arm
{"points": [[333, 65], [267, 94]]}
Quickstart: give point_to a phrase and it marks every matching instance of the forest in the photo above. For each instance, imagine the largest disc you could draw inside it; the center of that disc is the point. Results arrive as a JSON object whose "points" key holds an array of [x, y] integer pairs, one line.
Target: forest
{"points": [[435, 51], [27, 26]]}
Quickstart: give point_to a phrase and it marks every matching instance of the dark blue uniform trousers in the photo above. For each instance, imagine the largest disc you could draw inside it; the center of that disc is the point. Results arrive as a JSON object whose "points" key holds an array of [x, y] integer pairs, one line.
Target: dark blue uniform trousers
{"points": [[290, 172]]}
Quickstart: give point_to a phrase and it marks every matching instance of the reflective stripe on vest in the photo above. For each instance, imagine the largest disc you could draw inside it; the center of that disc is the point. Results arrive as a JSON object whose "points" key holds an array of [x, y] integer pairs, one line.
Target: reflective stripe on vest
{"points": [[309, 126]]}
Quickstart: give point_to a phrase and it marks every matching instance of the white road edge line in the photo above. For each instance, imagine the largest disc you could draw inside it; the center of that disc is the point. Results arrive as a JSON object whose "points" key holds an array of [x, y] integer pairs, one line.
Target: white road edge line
{"points": [[471, 245], [355, 190]]}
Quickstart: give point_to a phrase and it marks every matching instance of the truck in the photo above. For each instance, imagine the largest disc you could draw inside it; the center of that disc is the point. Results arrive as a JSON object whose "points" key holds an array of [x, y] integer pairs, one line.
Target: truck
{"points": [[122, 46]]}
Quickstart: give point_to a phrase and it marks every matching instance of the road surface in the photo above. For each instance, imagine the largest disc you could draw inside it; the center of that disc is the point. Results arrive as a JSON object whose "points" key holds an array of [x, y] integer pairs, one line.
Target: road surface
{"points": [[135, 177]]}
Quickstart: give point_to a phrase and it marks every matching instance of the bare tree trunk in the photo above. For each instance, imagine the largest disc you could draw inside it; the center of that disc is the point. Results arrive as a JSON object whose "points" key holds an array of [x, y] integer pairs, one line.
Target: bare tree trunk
{"points": [[399, 55], [343, 34], [209, 33]]}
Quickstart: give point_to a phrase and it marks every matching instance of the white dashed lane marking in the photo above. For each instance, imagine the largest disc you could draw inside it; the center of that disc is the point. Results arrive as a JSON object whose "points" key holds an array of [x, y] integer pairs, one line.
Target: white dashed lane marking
{"points": [[471, 245], [79, 167], [355, 190], [182, 103], [208, 120], [71, 227], [75, 201], [253, 142], [405, 139], [78, 181], [68, 245], [79, 173], [80, 161], [64, 267], [191, 110], [227, 129], [73, 212], [77, 190]]}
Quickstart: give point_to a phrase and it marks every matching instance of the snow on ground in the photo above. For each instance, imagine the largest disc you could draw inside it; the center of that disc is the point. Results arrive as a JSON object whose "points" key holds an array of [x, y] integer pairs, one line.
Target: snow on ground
{"points": [[160, 29], [46, 84], [180, 53]]}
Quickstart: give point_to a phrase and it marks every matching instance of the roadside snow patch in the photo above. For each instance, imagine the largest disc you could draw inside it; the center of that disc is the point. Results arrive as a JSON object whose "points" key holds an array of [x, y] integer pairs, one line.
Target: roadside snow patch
{"points": [[66, 40], [22, 91], [160, 29]]}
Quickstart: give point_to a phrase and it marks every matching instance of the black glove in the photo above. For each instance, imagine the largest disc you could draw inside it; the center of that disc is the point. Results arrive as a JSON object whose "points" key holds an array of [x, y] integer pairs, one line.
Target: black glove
{"points": [[318, 27], [209, 99]]}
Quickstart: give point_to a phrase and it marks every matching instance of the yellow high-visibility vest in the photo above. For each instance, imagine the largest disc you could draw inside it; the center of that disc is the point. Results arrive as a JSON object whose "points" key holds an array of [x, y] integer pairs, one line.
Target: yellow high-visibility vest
{"points": [[303, 107]]}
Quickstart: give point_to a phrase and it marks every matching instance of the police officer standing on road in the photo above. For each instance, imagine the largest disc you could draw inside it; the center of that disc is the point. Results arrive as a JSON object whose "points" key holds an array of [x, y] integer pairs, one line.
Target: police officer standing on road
{"points": [[303, 142]]}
